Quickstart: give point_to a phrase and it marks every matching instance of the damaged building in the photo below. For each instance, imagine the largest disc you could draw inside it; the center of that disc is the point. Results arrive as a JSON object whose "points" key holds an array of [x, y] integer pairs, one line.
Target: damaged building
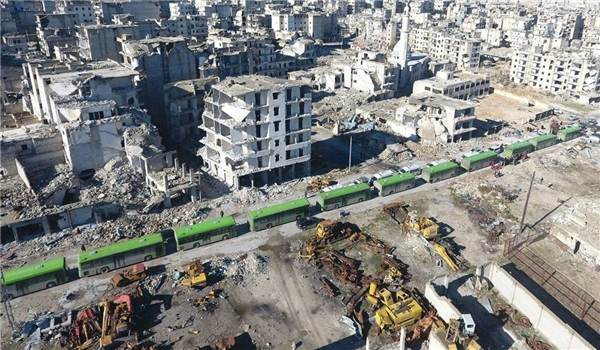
{"points": [[257, 130], [184, 102], [98, 81], [449, 84], [435, 118], [159, 61]]}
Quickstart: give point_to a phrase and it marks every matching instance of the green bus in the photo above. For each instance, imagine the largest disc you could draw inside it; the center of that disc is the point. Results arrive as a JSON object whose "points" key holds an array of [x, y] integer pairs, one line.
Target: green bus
{"points": [[569, 133], [518, 149], [344, 196], [278, 214], [439, 172], [397, 183], [114, 256], [33, 277], [193, 236], [543, 141], [478, 161]]}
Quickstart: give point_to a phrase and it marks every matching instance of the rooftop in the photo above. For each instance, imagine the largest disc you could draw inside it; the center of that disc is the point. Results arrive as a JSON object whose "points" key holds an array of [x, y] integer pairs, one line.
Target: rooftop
{"points": [[239, 86], [440, 101]]}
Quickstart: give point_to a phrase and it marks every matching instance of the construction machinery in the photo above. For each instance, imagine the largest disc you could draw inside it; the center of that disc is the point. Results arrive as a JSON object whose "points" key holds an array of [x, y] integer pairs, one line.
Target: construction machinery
{"points": [[462, 332], [422, 226], [136, 273], [326, 233], [395, 309], [196, 277], [318, 183], [116, 320]]}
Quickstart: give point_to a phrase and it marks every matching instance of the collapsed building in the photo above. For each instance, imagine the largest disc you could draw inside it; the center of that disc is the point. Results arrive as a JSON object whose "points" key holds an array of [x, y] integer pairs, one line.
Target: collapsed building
{"points": [[435, 118], [257, 130]]}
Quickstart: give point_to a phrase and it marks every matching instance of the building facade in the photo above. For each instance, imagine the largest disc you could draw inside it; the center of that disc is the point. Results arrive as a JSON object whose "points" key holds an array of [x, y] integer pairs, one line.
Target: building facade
{"points": [[257, 130]]}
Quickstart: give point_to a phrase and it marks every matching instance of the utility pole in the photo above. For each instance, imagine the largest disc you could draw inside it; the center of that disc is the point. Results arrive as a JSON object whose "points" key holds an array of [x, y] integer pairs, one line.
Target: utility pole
{"points": [[526, 203], [350, 156]]}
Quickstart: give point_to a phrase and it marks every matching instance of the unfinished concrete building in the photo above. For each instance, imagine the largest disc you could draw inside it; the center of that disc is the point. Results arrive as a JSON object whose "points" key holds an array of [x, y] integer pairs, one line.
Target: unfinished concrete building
{"points": [[435, 118], [184, 102], [257, 130]]}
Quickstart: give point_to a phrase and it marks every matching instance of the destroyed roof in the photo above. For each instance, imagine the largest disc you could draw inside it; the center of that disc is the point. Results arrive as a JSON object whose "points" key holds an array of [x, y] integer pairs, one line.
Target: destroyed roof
{"points": [[188, 87], [434, 100], [36, 131], [240, 86]]}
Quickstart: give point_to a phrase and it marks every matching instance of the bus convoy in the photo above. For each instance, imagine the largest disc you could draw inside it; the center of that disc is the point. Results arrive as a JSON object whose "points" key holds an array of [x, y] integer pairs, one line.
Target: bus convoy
{"points": [[101, 260]]}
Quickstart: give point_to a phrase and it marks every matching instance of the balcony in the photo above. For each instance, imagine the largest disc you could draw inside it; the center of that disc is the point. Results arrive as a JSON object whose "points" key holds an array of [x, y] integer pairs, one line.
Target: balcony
{"points": [[297, 145]]}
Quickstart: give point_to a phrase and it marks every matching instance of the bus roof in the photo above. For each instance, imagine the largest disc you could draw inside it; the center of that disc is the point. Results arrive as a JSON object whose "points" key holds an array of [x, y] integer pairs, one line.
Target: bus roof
{"points": [[440, 167], [345, 190], [131, 244], [205, 226], [545, 137], [481, 156], [32, 270], [278, 208], [396, 179], [571, 129], [519, 145]]}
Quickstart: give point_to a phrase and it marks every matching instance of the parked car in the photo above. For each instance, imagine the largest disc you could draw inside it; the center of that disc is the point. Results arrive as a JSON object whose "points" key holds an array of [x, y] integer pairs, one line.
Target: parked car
{"points": [[573, 117], [306, 223], [497, 148], [361, 180]]}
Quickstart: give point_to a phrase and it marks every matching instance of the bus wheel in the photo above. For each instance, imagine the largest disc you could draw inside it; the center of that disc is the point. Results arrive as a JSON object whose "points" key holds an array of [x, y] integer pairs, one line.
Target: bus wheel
{"points": [[360, 200], [298, 217], [148, 258], [391, 193], [336, 206], [196, 245], [225, 237], [105, 269], [407, 188], [7, 297], [50, 285], [269, 225]]}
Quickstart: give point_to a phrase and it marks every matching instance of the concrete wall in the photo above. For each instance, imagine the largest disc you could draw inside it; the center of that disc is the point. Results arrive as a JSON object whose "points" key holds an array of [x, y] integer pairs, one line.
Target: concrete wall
{"points": [[561, 335], [446, 310], [91, 146]]}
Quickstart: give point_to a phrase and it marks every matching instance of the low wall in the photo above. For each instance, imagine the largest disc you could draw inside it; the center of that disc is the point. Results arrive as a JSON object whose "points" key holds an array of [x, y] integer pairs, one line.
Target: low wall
{"points": [[445, 309], [561, 335]]}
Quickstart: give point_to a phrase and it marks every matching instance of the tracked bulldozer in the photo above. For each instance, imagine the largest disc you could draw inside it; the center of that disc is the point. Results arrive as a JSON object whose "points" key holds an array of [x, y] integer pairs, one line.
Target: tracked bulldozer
{"points": [[326, 233]]}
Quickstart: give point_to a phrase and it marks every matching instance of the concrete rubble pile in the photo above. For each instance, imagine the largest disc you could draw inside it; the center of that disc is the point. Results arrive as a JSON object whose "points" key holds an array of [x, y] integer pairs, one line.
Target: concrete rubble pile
{"points": [[116, 182], [16, 196], [238, 269]]}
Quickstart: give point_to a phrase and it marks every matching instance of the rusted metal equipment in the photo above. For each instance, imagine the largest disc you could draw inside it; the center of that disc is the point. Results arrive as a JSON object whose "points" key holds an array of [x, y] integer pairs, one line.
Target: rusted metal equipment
{"points": [[224, 344], [396, 268], [342, 268], [318, 183], [537, 344], [394, 309], [395, 211], [508, 314], [327, 285]]}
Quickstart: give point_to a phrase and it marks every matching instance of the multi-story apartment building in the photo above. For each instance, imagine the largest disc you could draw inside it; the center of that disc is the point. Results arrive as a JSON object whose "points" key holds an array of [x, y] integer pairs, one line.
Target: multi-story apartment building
{"points": [[188, 25], [177, 9], [442, 45], [84, 9], [99, 42], [184, 104], [573, 74], [313, 24], [139, 10], [447, 84], [257, 130]]}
